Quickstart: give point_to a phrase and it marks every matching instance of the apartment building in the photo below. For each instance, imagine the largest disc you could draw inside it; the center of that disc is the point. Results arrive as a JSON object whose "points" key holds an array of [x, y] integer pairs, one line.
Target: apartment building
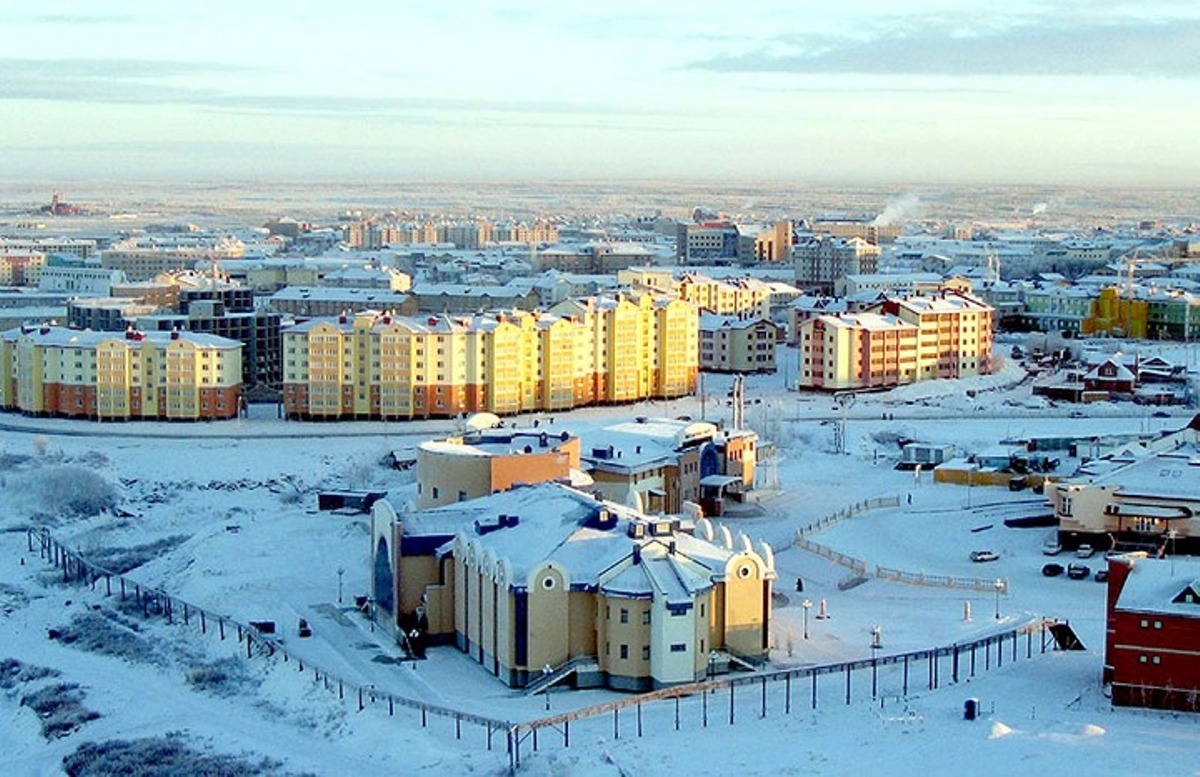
{"points": [[857, 351], [821, 260], [20, 268], [144, 258], [606, 349], [83, 249], [955, 331], [174, 376], [737, 343], [544, 576]]}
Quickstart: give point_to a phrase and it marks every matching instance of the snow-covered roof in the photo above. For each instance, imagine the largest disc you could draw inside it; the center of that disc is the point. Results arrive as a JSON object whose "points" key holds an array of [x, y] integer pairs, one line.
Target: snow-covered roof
{"points": [[1162, 586]]}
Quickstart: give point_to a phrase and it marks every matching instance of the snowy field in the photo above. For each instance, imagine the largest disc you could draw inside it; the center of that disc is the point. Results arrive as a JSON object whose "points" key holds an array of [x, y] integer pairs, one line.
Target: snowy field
{"points": [[223, 515]]}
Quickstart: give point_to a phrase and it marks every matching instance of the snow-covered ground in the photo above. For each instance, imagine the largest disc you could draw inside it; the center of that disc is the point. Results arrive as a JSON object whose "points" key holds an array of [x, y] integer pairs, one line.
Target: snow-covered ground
{"points": [[232, 510]]}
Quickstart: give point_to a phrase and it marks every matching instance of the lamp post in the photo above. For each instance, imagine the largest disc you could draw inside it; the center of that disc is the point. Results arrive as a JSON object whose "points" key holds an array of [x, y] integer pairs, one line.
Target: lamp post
{"points": [[341, 571], [999, 589], [546, 672], [807, 605]]}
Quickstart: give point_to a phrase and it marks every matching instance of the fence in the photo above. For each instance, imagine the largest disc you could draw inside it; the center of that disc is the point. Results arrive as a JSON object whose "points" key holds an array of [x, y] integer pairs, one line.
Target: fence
{"points": [[153, 602], [863, 569], [693, 698], [698, 704]]}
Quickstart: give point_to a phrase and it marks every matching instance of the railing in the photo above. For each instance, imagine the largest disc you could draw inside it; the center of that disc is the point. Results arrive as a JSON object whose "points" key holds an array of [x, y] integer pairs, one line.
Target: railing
{"points": [[863, 569], [155, 602], [900, 673]]}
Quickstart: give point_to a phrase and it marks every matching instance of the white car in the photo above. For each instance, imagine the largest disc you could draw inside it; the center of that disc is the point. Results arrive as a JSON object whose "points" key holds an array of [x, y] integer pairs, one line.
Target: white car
{"points": [[1085, 551], [979, 556], [1052, 547]]}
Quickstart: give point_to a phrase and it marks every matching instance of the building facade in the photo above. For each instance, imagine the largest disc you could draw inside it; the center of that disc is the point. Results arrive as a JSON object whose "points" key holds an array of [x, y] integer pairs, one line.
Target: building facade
{"points": [[546, 578], [857, 351], [737, 344], [820, 261], [53, 371], [591, 351]]}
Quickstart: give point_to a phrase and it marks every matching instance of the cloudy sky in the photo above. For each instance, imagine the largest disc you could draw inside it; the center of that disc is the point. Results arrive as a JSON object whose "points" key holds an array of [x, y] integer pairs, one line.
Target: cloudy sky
{"points": [[857, 91]]}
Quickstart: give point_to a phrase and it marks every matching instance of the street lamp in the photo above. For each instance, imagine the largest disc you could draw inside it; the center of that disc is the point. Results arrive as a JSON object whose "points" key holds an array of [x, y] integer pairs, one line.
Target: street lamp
{"points": [[807, 605], [999, 590], [546, 672], [341, 571]]}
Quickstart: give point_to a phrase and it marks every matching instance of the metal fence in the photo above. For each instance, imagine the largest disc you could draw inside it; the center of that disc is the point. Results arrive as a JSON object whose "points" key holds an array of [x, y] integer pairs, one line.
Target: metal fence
{"points": [[760, 694], [152, 602], [696, 704], [863, 569]]}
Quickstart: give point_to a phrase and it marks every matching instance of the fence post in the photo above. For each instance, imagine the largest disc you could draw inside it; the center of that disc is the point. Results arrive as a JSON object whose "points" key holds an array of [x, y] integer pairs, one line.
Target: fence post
{"points": [[847, 683], [567, 730], [639, 719], [814, 690], [764, 697], [704, 707], [905, 683], [676, 713], [787, 694], [731, 703], [616, 722], [874, 679], [954, 666]]}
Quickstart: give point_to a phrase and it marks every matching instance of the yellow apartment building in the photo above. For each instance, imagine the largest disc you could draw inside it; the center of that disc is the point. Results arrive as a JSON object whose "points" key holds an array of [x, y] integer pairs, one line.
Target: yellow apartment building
{"points": [[106, 376], [594, 350]]}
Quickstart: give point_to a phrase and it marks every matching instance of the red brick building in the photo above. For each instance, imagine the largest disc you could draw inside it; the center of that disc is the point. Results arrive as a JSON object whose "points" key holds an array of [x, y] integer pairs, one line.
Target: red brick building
{"points": [[1152, 639]]}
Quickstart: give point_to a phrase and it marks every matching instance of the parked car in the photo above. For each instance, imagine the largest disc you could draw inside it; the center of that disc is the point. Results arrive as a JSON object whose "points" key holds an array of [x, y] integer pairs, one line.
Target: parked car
{"points": [[1017, 484], [1085, 551], [1079, 571], [1101, 576], [1161, 414], [983, 555], [1052, 570], [1052, 547]]}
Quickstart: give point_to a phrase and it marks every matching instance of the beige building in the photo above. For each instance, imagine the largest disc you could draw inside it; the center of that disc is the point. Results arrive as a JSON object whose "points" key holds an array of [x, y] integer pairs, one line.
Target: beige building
{"points": [[954, 333], [857, 351], [545, 583], [737, 344], [483, 462], [54, 371], [20, 268], [821, 261], [1145, 496]]}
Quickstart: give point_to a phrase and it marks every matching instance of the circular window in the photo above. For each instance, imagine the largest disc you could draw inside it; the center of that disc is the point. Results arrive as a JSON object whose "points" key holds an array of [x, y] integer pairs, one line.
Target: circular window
{"points": [[548, 583], [744, 571]]}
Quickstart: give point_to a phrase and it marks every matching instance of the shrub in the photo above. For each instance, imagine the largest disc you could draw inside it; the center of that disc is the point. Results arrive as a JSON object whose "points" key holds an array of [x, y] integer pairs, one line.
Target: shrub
{"points": [[14, 673], [60, 708], [107, 633], [165, 756], [223, 677], [122, 560], [75, 489]]}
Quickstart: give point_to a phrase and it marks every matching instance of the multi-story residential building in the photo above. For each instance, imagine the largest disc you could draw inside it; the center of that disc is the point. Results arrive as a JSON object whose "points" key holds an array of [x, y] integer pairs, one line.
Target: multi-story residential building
{"points": [[368, 277], [954, 333], [774, 243], [857, 351], [715, 242], [867, 228], [544, 576], [594, 350], [314, 301], [737, 343], [733, 297], [820, 261], [83, 249], [461, 298], [106, 314], [77, 280], [55, 371], [487, 461], [258, 330], [1152, 635], [897, 284], [20, 268], [143, 259]]}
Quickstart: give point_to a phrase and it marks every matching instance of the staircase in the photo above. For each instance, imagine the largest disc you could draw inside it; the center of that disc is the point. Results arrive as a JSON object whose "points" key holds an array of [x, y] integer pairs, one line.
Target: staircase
{"points": [[559, 673]]}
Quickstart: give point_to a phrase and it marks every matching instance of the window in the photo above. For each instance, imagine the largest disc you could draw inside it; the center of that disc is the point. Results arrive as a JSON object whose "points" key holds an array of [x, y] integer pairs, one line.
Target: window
{"points": [[646, 653], [624, 617], [1158, 624], [1156, 660], [435, 492], [679, 647], [625, 653], [646, 618]]}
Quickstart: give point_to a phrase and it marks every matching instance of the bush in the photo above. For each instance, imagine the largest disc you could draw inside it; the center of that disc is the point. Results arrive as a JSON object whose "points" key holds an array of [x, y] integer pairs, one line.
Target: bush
{"points": [[122, 560], [223, 677], [165, 756], [14, 673], [76, 490], [107, 633], [60, 708]]}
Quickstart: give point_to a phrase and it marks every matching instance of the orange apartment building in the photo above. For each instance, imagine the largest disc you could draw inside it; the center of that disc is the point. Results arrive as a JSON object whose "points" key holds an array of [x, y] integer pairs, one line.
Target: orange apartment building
{"points": [[107, 376]]}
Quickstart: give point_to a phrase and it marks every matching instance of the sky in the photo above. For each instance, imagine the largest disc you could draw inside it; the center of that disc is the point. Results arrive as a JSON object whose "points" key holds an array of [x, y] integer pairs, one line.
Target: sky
{"points": [[1095, 92]]}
